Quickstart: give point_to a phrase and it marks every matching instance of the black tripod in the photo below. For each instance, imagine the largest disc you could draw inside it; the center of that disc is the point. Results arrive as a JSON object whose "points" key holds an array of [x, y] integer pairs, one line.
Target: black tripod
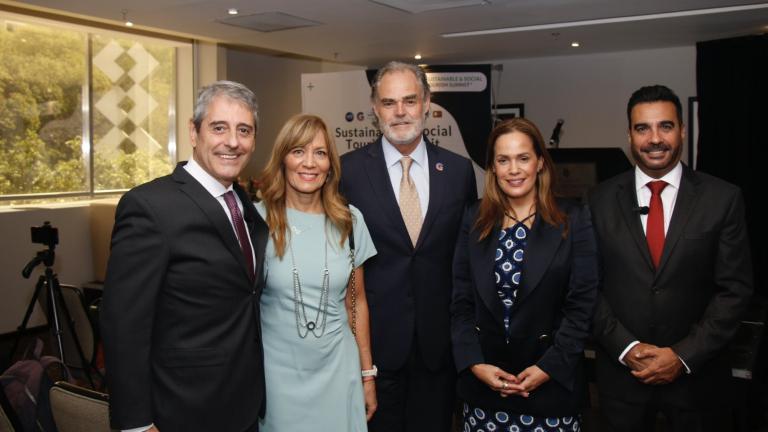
{"points": [[50, 283]]}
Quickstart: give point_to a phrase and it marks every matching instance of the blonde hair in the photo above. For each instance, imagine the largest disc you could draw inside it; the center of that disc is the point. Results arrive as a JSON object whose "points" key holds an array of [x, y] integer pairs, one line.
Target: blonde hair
{"points": [[494, 202], [299, 131]]}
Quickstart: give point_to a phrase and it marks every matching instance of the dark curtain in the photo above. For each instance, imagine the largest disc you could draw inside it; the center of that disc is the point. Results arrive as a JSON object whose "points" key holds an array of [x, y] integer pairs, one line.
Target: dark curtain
{"points": [[732, 87]]}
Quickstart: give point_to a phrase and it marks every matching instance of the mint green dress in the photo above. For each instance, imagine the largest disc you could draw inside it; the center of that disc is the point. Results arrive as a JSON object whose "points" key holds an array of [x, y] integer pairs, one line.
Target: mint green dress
{"points": [[313, 383]]}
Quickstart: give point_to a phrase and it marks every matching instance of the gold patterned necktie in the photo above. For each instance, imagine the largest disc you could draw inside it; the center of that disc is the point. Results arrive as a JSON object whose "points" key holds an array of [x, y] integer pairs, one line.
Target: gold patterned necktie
{"points": [[410, 207]]}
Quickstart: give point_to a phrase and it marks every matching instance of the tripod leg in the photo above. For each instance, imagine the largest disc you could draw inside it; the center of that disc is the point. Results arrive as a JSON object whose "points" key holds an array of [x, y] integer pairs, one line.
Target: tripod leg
{"points": [[71, 327], [53, 313], [23, 326]]}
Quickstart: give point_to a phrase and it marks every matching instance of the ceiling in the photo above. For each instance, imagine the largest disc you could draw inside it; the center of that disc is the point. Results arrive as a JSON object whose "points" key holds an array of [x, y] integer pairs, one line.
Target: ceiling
{"points": [[368, 33]]}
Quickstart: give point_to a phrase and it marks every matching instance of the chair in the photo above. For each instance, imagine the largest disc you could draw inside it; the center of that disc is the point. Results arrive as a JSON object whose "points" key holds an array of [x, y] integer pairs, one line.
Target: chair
{"points": [[8, 420], [78, 409]]}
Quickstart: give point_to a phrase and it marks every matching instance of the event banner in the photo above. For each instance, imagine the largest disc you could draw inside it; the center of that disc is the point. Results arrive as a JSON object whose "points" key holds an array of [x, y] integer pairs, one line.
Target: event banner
{"points": [[459, 118]]}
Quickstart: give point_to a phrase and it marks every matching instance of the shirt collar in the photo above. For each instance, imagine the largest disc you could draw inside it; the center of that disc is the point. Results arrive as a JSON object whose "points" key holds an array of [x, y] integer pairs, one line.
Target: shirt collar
{"points": [[672, 178], [392, 156], [209, 183]]}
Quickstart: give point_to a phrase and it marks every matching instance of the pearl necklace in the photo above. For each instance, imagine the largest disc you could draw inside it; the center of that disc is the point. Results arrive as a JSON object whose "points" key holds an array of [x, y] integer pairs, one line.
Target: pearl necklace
{"points": [[318, 324]]}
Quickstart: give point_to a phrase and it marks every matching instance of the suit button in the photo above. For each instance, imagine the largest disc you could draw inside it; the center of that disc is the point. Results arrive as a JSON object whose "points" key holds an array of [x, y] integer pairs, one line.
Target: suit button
{"points": [[253, 292], [655, 290]]}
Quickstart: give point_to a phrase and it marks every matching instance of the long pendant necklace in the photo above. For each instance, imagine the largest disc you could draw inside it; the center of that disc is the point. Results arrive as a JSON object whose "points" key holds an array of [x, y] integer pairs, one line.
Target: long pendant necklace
{"points": [[316, 326]]}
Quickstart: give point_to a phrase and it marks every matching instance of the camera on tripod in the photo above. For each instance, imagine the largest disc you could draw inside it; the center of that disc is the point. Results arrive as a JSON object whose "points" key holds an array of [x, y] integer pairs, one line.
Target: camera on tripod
{"points": [[45, 235]]}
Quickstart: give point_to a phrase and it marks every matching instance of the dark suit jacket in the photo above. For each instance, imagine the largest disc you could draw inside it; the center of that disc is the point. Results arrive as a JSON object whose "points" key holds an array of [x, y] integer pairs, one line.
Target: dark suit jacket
{"points": [[180, 315], [550, 319], [695, 300], [409, 289]]}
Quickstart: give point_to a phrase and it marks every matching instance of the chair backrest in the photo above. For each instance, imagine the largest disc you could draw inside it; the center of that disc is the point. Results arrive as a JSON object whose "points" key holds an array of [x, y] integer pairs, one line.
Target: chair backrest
{"points": [[77, 409], [5, 422], [83, 327]]}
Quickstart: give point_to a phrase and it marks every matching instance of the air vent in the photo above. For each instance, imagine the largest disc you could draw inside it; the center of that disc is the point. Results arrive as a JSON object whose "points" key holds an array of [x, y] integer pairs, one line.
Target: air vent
{"points": [[268, 22]]}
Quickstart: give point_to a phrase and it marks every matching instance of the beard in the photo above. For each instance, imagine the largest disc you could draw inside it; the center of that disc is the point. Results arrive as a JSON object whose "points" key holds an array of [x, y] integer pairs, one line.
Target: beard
{"points": [[403, 136]]}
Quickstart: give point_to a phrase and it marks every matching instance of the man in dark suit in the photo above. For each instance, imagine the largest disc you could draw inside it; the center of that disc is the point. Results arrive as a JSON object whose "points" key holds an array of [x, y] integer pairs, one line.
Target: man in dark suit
{"points": [[677, 278], [180, 313], [412, 195]]}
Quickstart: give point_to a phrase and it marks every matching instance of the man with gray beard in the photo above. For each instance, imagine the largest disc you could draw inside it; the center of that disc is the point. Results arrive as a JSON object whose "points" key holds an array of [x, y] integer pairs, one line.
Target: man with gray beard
{"points": [[412, 195]]}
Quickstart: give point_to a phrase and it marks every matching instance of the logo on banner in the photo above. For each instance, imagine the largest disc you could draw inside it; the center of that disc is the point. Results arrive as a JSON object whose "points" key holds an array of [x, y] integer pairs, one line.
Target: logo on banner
{"points": [[349, 116], [360, 116]]}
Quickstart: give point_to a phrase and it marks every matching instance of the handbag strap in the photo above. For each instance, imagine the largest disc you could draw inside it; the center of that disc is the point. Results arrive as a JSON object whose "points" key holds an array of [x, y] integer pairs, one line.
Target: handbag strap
{"points": [[352, 287]]}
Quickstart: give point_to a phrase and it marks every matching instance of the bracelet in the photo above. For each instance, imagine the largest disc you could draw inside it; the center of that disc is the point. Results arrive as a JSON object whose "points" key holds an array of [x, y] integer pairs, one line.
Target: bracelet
{"points": [[368, 378], [370, 372]]}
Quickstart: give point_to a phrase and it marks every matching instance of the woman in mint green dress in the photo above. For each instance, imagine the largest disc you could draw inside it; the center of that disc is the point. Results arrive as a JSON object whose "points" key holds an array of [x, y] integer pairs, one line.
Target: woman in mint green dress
{"points": [[317, 357]]}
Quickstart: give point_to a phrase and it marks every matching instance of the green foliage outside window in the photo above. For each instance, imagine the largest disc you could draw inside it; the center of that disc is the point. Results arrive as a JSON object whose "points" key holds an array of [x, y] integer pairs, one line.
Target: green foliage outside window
{"points": [[42, 75]]}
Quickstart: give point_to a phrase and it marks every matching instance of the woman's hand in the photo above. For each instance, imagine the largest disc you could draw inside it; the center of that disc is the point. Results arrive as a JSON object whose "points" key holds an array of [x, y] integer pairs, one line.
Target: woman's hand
{"points": [[499, 380], [369, 393], [531, 378]]}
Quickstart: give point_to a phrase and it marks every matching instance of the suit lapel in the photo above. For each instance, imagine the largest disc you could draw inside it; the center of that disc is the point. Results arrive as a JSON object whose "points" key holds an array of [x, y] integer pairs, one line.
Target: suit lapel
{"points": [[378, 175], [437, 187], [212, 210], [543, 242], [684, 204], [482, 255], [626, 197]]}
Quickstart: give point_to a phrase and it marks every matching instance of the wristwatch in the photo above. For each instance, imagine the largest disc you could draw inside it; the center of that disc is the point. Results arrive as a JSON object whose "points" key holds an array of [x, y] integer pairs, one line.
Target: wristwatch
{"points": [[370, 372]]}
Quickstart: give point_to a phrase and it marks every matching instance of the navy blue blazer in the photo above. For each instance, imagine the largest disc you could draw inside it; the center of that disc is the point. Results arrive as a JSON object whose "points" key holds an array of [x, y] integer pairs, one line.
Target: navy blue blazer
{"points": [[550, 319], [409, 288]]}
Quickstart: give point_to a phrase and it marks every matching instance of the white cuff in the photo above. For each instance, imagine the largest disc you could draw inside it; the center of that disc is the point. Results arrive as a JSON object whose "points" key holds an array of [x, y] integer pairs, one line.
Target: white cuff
{"points": [[626, 350], [139, 429]]}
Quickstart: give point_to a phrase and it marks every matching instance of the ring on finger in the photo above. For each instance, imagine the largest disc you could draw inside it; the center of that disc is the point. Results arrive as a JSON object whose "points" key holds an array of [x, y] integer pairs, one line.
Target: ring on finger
{"points": [[504, 385]]}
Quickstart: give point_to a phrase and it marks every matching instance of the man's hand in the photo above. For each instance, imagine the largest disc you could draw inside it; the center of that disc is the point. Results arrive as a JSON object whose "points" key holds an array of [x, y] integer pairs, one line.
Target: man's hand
{"points": [[498, 380], [664, 366], [636, 359]]}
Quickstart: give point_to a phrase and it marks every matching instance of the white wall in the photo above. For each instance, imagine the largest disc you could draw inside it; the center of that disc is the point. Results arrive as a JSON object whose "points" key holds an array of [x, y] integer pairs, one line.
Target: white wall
{"points": [[590, 92], [73, 262]]}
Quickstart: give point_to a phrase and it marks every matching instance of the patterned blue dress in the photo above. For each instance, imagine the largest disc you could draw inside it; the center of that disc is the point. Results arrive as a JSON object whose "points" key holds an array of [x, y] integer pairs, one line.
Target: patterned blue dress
{"points": [[508, 270]]}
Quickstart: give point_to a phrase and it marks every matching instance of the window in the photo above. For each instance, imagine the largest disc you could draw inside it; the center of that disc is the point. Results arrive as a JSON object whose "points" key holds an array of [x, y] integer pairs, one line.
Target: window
{"points": [[83, 111]]}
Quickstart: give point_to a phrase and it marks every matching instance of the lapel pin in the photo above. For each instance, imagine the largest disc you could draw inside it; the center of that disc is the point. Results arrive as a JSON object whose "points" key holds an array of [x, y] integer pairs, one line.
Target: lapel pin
{"points": [[439, 166]]}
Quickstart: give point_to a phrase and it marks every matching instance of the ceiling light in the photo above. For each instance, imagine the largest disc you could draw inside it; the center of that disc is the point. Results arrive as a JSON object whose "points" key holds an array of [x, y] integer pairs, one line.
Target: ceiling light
{"points": [[128, 23], [232, 11], [417, 57], [614, 20], [575, 44]]}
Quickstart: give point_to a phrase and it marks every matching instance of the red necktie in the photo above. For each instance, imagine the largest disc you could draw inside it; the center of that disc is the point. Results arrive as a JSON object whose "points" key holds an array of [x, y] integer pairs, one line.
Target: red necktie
{"points": [[242, 234], [654, 230]]}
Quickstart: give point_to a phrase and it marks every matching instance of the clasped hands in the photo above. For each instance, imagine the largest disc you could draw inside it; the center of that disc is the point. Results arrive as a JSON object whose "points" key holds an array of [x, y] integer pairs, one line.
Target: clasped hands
{"points": [[508, 384], [653, 365]]}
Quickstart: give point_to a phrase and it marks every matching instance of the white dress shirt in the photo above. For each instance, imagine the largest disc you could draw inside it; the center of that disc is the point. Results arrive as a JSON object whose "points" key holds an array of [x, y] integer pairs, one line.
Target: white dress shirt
{"points": [[419, 170]]}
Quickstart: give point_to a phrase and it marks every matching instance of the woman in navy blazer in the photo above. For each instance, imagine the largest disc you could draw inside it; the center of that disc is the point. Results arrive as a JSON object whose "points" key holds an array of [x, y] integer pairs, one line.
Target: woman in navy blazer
{"points": [[525, 287]]}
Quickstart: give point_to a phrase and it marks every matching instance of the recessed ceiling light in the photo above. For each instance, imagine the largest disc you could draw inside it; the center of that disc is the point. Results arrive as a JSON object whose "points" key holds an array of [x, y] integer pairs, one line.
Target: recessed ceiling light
{"points": [[128, 23], [417, 57], [575, 44], [233, 11]]}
